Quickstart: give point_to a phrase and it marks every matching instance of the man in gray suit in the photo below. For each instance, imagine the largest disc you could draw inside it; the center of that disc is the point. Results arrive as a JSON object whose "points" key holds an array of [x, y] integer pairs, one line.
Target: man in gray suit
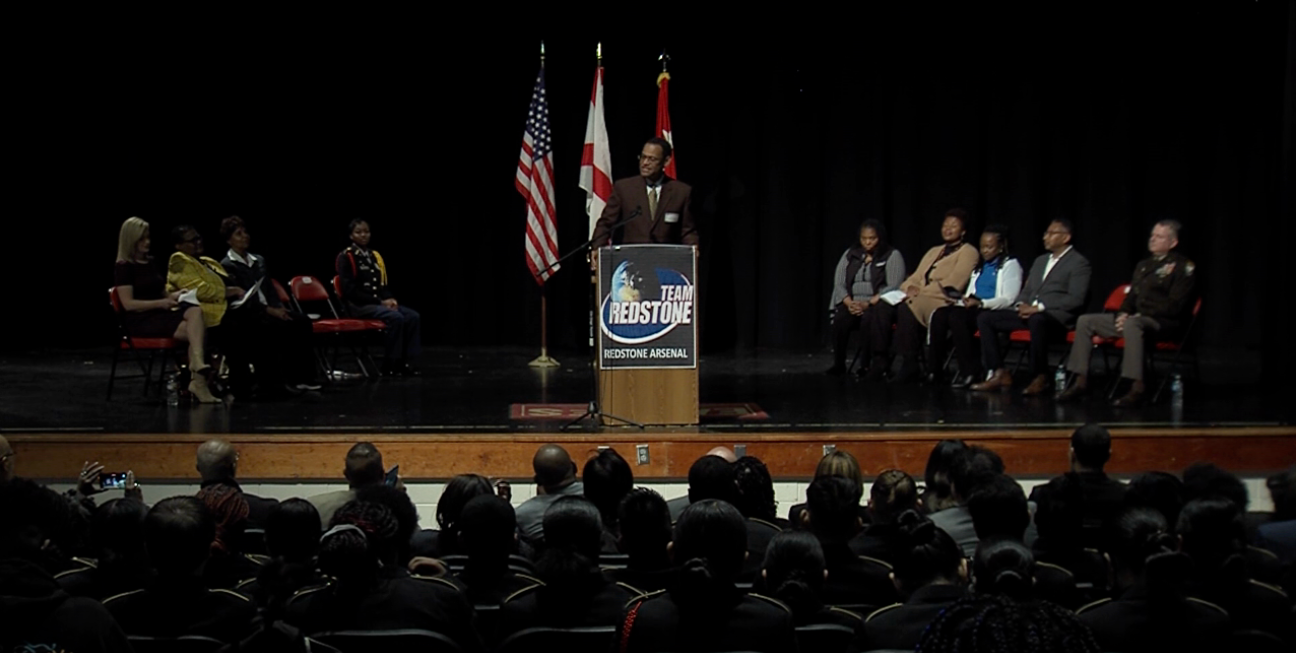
{"points": [[1055, 292]]}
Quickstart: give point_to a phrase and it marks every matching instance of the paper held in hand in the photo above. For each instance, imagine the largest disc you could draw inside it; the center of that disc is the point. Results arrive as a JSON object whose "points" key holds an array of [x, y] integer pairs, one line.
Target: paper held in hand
{"points": [[894, 297]]}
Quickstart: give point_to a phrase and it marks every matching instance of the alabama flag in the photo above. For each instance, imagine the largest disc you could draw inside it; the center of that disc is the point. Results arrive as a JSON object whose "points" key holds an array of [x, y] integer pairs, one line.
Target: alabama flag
{"points": [[596, 159]]}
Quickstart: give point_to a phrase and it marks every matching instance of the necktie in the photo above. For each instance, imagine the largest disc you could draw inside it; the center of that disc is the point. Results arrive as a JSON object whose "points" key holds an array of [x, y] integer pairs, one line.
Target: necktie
{"points": [[652, 202]]}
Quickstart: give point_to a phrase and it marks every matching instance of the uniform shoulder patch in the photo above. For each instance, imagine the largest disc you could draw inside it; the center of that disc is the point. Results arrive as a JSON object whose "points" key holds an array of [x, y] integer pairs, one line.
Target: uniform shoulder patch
{"points": [[1189, 267], [885, 608]]}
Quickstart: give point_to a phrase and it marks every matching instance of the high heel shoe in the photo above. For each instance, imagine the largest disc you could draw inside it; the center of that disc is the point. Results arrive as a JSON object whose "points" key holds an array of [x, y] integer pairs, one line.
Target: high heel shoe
{"points": [[198, 389]]}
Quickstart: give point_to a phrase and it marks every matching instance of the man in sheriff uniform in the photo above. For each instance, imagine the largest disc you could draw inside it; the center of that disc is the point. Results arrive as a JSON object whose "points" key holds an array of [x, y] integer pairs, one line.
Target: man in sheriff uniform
{"points": [[1159, 301]]}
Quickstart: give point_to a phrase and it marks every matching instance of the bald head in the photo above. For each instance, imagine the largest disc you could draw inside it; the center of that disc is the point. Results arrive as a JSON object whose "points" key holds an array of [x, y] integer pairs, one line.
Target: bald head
{"points": [[553, 467], [724, 452], [217, 461], [364, 465], [6, 461]]}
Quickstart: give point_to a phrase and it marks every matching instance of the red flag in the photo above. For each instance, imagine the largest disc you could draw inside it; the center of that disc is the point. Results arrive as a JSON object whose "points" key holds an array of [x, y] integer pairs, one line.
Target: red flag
{"points": [[663, 119], [535, 182], [596, 159]]}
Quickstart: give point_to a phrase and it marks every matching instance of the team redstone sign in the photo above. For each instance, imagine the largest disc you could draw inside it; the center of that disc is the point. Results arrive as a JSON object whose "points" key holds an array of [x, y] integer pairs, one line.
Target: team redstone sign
{"points": [[648, 311]]}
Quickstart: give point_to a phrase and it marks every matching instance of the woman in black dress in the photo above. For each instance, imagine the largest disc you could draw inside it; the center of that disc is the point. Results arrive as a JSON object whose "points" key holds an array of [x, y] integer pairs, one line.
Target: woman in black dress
{"points": [[150, 312]]}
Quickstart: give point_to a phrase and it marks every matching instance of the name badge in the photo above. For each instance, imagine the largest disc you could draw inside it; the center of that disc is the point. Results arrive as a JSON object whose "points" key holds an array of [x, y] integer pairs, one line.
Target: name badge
{"points": [[671, 218]]}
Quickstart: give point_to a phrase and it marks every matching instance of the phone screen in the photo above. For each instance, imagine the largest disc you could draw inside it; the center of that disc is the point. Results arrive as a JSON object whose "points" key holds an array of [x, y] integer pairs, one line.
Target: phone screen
{"points": [[392, 475], [111, 481]]}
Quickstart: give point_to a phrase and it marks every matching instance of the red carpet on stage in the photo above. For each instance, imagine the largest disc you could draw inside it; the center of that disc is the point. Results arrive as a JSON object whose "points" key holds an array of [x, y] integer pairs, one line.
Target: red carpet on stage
{"points": [[572, 411]]}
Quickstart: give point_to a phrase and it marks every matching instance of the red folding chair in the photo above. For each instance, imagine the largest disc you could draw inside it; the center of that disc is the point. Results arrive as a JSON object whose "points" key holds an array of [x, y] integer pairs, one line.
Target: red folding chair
{"points": [[1173, 348], [331, 330], [374, 325], [144, 351]]}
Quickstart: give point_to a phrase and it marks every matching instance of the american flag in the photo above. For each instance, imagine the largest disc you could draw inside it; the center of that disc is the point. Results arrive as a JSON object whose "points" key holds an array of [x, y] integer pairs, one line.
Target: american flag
{"points": [[535, 182]]}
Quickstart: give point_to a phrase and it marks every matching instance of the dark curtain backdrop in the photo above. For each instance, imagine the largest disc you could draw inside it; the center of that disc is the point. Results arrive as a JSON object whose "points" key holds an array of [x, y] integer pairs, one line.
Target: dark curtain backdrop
{"points": [[791, 134]]}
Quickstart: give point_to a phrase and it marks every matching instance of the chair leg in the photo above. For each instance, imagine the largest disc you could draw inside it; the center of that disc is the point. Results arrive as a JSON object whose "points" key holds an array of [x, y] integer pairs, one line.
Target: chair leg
{"points": [[112, 373]]}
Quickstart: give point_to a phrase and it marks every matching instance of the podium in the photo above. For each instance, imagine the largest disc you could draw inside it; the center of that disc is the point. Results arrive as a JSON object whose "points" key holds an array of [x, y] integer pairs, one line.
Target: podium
{"points": [[646, 334]]}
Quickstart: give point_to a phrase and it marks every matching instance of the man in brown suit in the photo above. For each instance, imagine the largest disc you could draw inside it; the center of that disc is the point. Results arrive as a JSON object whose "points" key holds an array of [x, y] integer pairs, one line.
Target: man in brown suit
{"points": [[661, 203]]}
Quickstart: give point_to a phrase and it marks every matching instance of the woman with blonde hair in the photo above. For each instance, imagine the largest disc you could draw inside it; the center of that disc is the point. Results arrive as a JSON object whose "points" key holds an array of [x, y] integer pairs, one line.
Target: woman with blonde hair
{"points": [[152, 312]]}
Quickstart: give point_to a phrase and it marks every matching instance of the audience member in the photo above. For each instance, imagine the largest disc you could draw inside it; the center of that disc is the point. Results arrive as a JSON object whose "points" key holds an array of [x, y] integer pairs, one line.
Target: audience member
{"points": [[370, 591], [939, 280], [1101, 496], [443, 541], [179, 533], [703, 610], [218, 465], [1159, 302], [487, 529], [364, 467], [1161, 491], [970, 468], [929, 572], [1000, 512], [555, 477], [292, 533], [793, 572], [645, 537], [7, 456], [711, 479], [363, 277], [607, 479], [402, 508], [1279, 535], [838, 462], [936, 495], [121, 561], [573, 591], [999, 624], [893, 493], [1210, 481], [1056, 290], [1150, 611], [755, 500], [1060, 522], [278, 341], [153, 311], [1004, 567], [35, 613], [832, 515], [863, 275], [994, 285]]}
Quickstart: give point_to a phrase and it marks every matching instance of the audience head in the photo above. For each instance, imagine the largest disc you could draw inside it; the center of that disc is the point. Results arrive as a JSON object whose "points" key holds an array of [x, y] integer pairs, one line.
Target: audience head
{"points": [[794, 570], [645, 524], [893, 493], [217, 461], [710, 541], [1207, 480], [458, 492], [487, 528], [402, 508], [832, 508], [553, 467], [572, 525], [133, 230], [607, 479], [998, 624], [1003, 567], [1213, 534], [755, 497], [360, 539], [840, 463], [712, 477], [1090, 448], [723, 452], [1161, 491], [999, 509], [927, 555], [117, 532], [1282, 489], [31, 516], [1142, 546], [873, 236], [364, 465], [292, 530], [937, 475], [179, 533], [971, 468], [1060, 519], [6, 460], [229, 510]]}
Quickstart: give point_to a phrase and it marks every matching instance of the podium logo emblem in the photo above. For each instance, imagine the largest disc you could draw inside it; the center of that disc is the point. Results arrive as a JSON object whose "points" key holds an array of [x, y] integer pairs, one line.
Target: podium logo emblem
{"points": [[645, 303]]}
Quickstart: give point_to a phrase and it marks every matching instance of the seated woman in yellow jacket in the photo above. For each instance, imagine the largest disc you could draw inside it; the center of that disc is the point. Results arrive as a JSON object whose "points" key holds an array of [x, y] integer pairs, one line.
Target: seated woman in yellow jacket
{"points": [[188, 270]]}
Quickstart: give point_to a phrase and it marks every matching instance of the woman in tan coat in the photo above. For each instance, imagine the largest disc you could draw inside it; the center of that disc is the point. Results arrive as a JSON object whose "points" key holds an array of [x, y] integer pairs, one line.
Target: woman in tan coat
{"points": [[938, 280]]}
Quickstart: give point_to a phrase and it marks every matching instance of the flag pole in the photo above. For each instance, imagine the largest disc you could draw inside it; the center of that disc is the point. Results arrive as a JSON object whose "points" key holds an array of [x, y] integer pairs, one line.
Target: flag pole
{"points": [[544, 360]]}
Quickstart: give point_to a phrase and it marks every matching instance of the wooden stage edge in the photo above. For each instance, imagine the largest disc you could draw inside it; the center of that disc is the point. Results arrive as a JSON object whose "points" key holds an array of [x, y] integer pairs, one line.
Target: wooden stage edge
{"points": [[790, 455]]}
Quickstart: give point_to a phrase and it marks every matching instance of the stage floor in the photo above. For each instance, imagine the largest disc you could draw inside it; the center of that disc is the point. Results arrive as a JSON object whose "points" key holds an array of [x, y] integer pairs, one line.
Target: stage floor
{"points": [[492, 390]]}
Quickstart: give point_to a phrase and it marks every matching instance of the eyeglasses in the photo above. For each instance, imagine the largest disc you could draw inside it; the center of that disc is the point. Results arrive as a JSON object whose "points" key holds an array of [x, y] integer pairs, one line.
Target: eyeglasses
{"points": [[649, 158], [192, 240], [7, 457]]}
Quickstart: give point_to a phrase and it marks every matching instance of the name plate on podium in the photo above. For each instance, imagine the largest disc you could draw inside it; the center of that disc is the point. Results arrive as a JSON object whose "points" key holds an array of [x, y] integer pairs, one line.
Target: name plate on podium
{"points": [[647, 334], [647, 314]]}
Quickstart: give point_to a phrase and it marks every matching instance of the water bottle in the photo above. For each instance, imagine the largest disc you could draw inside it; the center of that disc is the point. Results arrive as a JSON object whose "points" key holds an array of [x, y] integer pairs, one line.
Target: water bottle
{"points": [[1060, 378], [172, 391], [1176, 389]]}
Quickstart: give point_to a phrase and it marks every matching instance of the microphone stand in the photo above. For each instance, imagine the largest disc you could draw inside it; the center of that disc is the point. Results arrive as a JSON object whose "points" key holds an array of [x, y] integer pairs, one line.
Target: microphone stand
{"points": [[592, 410]]}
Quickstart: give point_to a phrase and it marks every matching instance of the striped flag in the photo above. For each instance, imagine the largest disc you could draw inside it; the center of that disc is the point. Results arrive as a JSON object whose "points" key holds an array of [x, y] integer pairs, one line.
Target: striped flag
{"points": [[596, 159], [663, 120], [535, 182]]}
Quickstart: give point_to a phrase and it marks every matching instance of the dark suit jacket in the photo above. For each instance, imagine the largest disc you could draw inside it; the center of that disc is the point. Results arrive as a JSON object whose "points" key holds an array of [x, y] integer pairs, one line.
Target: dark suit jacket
{"points": [[671, 225], [1065, 290], [245, 276]]}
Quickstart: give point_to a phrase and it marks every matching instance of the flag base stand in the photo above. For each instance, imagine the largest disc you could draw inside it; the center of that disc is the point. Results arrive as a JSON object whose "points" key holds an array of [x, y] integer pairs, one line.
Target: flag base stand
{"points": [[544, 361]]}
